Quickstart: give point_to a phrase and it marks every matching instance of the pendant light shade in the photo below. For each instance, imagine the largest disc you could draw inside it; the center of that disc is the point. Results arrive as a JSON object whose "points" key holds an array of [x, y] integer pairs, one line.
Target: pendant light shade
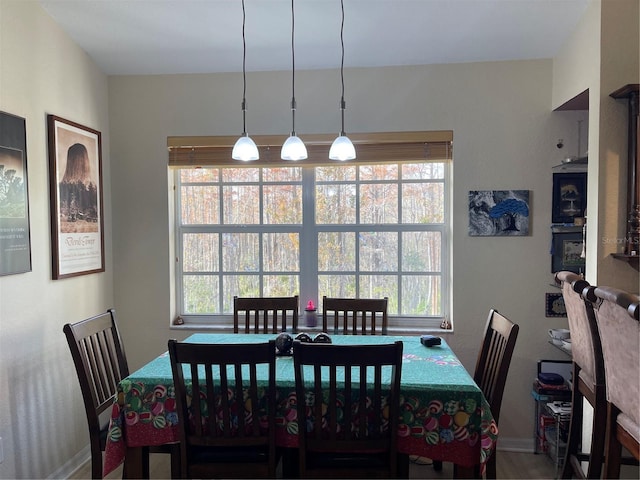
{"points": [[293, 148], [342, 147], [245, 149]]}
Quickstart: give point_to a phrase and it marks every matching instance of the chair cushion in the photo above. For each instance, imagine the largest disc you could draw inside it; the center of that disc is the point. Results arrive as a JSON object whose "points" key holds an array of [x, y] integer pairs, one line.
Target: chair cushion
{"points": [[629, 425], [587, 379]]}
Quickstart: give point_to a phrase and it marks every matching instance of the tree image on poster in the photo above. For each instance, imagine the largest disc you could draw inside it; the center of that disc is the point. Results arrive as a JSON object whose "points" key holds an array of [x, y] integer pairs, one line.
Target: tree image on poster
{"points": [[498, 212], [78, 193], [13, 192], [15, 241]]}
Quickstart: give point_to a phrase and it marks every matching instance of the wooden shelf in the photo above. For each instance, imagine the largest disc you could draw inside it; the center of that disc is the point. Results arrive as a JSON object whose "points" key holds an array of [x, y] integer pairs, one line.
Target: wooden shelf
{"points": [[565, 228], [626, 91], [561, 348], [633, 260]]}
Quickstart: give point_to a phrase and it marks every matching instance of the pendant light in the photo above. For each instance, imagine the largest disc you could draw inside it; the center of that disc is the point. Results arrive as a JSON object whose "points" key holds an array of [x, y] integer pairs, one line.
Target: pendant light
{"points": [[342, 148], [293, 148], [245, 148]]}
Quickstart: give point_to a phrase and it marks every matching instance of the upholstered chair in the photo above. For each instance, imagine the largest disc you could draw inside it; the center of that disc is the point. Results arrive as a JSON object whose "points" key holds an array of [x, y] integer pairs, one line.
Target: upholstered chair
{"points": [[617, 316], [588, 378]]}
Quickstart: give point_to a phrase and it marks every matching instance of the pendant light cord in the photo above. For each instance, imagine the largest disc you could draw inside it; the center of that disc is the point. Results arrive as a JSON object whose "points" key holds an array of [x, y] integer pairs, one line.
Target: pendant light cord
{"points": [[342, 102], [244, 75], [293, 73]]}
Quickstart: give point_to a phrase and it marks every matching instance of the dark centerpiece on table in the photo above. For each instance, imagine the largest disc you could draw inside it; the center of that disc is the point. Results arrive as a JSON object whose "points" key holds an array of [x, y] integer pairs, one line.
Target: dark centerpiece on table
{"points": [[284, 342]]}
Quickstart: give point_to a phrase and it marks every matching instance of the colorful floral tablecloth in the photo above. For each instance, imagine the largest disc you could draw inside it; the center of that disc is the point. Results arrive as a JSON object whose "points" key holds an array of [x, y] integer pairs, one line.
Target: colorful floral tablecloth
{"points": [[444, 415]]}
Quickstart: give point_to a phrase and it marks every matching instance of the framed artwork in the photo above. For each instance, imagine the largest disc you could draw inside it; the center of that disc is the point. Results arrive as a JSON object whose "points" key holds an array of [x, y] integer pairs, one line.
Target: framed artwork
{"points": [[15, 235], [75, 175], [566, 251], [554, 305], [498, 212], [569, 196]]}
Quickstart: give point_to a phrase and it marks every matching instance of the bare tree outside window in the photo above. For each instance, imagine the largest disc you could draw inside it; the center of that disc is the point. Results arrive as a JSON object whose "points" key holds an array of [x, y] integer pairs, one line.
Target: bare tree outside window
{"points": [[377, 230]]}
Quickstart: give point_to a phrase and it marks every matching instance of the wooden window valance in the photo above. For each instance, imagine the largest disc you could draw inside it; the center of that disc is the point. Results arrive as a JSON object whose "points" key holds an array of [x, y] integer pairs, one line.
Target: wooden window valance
{"points": [[209, 151]]}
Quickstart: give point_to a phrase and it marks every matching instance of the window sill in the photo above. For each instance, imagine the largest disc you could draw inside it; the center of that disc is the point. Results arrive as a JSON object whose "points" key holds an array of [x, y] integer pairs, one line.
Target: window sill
{"points": [[400, 331]]}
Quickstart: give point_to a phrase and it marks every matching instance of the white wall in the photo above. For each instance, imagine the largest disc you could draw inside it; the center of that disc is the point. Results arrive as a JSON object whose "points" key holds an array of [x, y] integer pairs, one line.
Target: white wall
{"points": [[602, 55], [620, 59], [42, 421]]}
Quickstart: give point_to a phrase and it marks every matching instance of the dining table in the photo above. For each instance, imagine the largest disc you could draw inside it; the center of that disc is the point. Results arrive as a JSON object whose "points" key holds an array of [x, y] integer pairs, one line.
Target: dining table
{"points": [[443, 413]]}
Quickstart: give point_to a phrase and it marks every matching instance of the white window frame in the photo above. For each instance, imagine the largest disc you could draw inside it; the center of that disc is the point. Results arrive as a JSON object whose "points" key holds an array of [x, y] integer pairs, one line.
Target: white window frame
{"points": [[397, 323]]}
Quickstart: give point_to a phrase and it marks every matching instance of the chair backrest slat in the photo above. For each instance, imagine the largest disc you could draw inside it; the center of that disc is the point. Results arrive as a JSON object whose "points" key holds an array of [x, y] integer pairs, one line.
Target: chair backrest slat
{"points": [[228, 392], [358, 379], [100, 363], [99, 358], [355, 316], [494, 359], [265, 314]]}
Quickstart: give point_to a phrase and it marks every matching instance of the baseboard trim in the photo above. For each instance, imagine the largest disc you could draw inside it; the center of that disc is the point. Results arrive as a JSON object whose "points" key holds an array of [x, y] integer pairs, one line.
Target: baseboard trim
{"points": [[516, 444], [70, 467], [506, 444]]}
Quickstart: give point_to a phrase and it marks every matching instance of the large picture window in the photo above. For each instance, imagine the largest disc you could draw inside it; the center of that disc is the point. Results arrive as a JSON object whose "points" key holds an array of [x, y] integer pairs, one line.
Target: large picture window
{"points": [[354, 229]]}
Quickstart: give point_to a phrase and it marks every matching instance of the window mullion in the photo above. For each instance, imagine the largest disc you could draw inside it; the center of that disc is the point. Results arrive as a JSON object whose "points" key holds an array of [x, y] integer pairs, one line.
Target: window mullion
{"points": [[308, 241]]}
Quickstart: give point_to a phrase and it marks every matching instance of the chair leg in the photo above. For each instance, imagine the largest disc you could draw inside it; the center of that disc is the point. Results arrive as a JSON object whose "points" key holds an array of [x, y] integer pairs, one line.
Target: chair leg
{"points": [[96, 460], [290, 467], [145, 462], [96, 466], [490, 467], [575, 428], [596, 457], [613, 448], [176, 471], [403, 465]]}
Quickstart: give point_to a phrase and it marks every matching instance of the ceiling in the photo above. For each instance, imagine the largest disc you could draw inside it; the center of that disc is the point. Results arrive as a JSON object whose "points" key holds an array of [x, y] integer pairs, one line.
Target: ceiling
{"points": [[126, 37]]}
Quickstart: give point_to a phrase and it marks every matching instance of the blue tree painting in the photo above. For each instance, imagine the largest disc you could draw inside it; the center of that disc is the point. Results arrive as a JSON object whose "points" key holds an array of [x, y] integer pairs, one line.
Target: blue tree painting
{"points": [[498, 212]]}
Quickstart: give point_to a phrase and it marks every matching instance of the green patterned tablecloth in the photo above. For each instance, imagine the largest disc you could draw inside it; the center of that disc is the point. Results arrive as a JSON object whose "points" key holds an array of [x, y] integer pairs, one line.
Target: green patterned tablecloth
{"points": [[444, 415]]}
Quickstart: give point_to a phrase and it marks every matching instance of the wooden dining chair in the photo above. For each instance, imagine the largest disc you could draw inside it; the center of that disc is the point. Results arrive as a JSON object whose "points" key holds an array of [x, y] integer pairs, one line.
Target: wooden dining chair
{"points": [[588, 378], [226, 419], [346, 425], [265, 314], [617, 317], [355, 316], [100, 362], [492, 367]]}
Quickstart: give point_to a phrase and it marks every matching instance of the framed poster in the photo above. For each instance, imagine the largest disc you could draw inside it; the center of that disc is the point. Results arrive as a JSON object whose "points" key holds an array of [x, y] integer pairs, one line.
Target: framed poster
{"points": [[566, 252], [75, 175], [554, 305], [569, 196], [15, 235]]}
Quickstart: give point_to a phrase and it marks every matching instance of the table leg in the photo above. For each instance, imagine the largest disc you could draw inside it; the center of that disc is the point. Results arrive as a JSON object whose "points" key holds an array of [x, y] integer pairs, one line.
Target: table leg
{"points": [[403, 465], [133, 463], [464, 472], [290, 462]]}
